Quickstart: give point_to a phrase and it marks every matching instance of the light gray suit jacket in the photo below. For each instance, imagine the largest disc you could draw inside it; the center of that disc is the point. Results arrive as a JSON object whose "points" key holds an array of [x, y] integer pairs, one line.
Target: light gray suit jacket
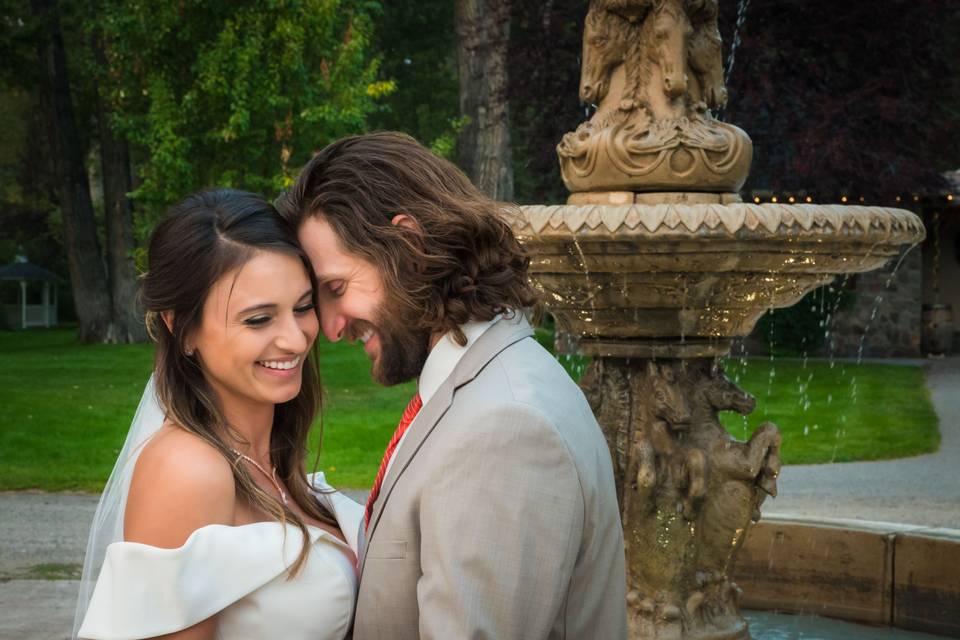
{"points": [[499, 517]]}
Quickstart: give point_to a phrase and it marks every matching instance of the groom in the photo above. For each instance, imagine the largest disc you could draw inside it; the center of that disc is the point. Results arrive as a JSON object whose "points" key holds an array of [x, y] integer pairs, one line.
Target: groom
{"points": [[494, 513]]}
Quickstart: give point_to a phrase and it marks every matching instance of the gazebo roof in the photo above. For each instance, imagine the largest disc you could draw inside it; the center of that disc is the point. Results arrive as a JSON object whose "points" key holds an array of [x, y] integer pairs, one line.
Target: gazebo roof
{"points": [[26, 271]]}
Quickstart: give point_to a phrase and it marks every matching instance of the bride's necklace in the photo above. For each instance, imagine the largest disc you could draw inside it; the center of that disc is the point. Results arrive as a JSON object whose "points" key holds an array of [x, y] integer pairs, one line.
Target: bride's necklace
{"points": [[272, 475]]}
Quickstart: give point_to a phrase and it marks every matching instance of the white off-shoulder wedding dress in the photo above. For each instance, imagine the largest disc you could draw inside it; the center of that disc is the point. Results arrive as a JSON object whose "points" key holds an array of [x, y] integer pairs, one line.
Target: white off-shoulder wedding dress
{"points": [[237, 573]]}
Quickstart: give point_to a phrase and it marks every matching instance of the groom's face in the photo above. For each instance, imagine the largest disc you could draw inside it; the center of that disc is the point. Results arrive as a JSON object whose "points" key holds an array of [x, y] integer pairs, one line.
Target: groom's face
{"points": [[353, 304]]}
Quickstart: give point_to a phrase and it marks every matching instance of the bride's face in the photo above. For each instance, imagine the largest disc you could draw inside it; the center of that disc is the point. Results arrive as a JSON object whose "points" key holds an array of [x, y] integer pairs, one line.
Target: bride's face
{"points": [[258, 325]]}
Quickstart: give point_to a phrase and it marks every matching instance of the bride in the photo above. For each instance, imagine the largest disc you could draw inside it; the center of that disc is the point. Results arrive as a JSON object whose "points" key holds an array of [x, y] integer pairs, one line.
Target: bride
{"points": [[209, 527]]}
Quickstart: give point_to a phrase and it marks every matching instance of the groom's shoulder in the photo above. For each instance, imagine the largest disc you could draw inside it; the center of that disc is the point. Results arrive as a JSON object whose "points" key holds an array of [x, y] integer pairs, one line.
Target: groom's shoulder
{"points": [[527, 374], [532, 371]]}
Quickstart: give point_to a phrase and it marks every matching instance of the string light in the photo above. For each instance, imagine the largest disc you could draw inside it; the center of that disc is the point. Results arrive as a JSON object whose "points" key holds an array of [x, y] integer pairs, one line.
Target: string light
{"points": [[950, 197], [792, 199]]}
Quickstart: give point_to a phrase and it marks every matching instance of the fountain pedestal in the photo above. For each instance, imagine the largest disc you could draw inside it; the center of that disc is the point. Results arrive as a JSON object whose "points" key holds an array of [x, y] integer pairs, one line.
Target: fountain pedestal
{"points": [[688, 491]]}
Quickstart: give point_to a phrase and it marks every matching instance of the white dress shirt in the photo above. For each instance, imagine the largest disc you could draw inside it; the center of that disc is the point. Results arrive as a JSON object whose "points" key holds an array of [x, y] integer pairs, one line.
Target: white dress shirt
{"points": [[441, 362]]}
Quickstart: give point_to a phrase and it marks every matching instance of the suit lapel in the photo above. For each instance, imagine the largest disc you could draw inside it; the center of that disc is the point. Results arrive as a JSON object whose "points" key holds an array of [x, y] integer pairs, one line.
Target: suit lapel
{"points": [[498, 337]]}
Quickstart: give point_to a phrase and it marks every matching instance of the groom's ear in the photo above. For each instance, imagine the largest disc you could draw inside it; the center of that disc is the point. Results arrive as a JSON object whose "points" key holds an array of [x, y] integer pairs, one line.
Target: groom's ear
{"points": [[403, 220], [408, 222]]}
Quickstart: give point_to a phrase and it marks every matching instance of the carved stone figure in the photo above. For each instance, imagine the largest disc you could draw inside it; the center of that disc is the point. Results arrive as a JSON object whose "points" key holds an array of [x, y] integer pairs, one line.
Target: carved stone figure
{"points": [[688, 490], [654, 70]]}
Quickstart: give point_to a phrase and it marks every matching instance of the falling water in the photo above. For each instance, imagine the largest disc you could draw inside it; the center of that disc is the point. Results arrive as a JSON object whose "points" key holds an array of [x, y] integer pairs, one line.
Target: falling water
{"points": [[737, 32], [879, 300]]}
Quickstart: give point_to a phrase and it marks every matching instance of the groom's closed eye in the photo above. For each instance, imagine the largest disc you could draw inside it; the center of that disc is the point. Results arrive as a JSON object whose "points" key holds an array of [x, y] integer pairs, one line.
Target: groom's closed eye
{"points": [[336, 288]]}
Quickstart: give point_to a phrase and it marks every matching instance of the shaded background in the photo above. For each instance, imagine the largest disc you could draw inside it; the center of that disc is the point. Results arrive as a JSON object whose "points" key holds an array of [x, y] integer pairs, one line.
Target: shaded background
{"points": [[137, 104]]}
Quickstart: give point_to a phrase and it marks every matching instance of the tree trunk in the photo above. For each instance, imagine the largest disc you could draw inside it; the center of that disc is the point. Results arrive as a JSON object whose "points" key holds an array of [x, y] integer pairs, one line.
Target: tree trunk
{"points": [[117, 183], [483, 33], [87, 274]]}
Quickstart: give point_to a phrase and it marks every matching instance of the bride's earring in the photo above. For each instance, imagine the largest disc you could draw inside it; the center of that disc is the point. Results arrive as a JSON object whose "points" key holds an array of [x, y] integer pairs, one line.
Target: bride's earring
{"points": [[189, 351]]}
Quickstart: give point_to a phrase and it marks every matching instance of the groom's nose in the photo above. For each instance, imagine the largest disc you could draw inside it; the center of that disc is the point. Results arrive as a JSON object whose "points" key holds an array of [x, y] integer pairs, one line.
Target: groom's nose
{"points": [[332, 322]]}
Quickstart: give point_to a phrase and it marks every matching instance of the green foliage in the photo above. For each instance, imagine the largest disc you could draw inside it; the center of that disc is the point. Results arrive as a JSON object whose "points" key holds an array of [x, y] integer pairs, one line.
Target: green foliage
{"points": [[416, 42], [236, 94], [545, 47], [802, 329], [446, 143]]}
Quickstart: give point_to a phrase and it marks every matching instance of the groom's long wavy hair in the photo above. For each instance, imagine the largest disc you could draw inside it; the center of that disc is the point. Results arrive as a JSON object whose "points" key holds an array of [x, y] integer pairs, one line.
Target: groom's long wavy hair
{"points": [[458, 262], [200, 240]]}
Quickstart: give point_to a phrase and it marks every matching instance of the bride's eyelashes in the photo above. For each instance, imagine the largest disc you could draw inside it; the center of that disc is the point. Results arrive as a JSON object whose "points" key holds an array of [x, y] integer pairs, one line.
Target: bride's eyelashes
{"points": [[258, 321], [261, 320]]}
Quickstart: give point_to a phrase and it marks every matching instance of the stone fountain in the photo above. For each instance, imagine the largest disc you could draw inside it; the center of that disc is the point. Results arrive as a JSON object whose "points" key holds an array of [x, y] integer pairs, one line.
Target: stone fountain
{"points": [[654, 265]]}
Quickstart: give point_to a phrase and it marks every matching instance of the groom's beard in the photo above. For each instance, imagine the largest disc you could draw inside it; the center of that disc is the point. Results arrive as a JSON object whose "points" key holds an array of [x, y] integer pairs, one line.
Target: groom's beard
{"points": [[404, 348]]}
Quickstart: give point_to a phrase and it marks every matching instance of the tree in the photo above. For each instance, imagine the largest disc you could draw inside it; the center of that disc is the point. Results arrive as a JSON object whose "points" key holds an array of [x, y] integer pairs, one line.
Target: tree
{"points": [[235, 93], [416, 42], [543, 91], [483, 32], [87, 273], [118, 215], [176, 97]]}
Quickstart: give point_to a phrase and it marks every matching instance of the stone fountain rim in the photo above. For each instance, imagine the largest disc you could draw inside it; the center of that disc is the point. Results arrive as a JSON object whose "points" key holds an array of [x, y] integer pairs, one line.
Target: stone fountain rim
{"points": [[767, 220], [852, 551]]}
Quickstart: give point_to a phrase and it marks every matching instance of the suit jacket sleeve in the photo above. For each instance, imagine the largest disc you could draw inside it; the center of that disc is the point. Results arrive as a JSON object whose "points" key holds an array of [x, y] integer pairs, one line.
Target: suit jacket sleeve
{"points": [[501, 526]]}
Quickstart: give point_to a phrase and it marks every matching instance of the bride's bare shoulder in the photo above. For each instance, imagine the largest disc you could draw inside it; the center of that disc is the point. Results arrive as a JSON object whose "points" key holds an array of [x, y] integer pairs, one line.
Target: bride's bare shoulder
{"points": [[180, 483]]}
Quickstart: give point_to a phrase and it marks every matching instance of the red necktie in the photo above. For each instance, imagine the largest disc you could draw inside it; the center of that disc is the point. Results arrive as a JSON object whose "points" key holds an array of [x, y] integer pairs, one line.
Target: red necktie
{"points": [[408, 415]]}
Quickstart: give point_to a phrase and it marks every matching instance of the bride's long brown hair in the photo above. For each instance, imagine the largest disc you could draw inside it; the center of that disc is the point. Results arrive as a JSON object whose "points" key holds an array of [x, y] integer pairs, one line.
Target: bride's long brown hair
{"points": [[198, 241]]}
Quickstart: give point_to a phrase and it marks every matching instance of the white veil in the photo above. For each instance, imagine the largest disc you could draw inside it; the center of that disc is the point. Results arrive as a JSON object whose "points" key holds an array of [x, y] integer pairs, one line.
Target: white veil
{"points": [[107, 525]]}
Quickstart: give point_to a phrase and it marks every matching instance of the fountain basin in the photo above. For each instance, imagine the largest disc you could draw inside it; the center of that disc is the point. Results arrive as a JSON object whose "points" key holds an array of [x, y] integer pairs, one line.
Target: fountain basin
{"points": [[878, 573], [681, 280]]}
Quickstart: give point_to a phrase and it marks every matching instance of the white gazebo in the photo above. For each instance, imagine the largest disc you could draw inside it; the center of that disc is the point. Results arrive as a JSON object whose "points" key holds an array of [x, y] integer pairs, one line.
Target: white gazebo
{"points": [[23, 314]]}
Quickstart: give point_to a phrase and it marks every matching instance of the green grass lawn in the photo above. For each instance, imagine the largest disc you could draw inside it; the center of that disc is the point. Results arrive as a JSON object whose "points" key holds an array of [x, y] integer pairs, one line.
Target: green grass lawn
{"points": [[828, 413], [837, 413], [65, 409]]}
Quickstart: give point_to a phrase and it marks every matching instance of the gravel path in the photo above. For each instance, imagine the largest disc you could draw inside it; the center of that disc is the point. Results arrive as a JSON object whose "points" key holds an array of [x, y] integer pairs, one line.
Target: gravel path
{"points": [[923, 490], [43, 535]]}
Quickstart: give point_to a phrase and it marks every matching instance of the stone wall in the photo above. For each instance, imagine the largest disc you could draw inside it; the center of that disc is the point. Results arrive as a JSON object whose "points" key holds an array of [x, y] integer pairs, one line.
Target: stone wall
{"points": [[894, 301]]}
